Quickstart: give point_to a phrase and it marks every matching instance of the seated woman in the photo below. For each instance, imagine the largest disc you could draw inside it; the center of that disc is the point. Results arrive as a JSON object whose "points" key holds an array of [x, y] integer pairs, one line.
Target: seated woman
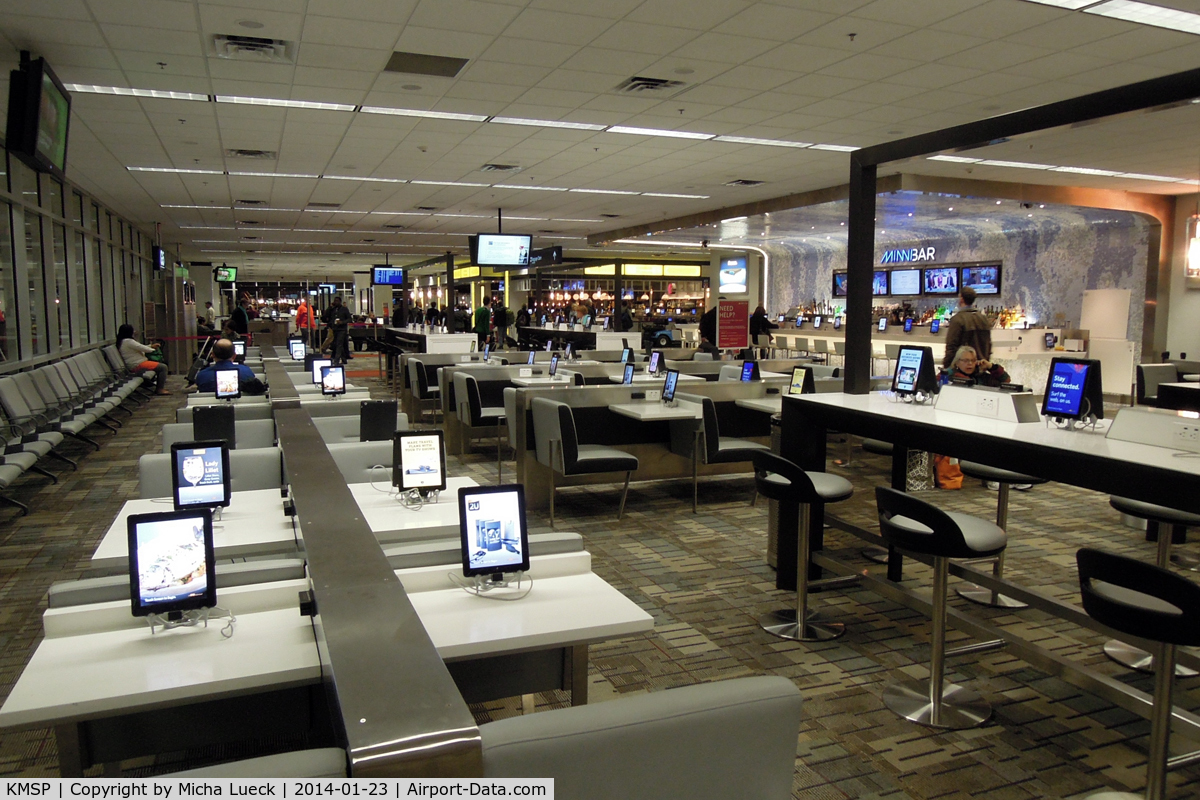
{"points": [[134, 353], [967, 366]]}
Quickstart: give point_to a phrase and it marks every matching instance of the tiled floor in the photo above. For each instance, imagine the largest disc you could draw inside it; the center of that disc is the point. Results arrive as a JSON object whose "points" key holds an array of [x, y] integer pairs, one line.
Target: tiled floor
{"points": [[704, 580]]}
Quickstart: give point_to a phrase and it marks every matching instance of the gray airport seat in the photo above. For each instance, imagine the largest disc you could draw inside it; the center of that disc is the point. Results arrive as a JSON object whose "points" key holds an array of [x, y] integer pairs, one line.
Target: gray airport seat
{"points": [[474, 416], [261, 468], [345, 430], [707, 445], [358, 461], [251, 434]]}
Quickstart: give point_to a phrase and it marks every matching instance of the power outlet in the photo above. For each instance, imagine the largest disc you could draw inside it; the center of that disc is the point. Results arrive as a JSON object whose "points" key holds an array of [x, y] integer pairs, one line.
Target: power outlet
{"points": [[986, 406], [653, 395], [1188, 437]]}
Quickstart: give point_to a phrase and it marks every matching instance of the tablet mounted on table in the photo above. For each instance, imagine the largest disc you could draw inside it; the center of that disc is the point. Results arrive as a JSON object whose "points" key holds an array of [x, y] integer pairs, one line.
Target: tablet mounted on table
{"points": [[419, 460], [669, 383], [317, 364], [333, 381], [627, 378], [171, 562], [200, 475], [494, 538], [229, 385]]}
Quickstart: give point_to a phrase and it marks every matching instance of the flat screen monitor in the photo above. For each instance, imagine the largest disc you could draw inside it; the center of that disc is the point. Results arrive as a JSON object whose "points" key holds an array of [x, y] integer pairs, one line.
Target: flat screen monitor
{"points": [[669, 383], [226, 274], [837, 323], [567, 351], [817, 322], [749, 371], [487, 352], [941, 280], [983, 278], [503, 250], [840, 284], [317, 364], [158, 257], [549, 344], [333, 380], [879, 283], [532, 357], [553, 365], [802, 381], [39, 117], [627, 378], [239, 349], [914, 371], [419, 460], [882, 324], [781, 318], [905, 281], [626, 355], [492, 527], [171, 562], [228, 384], [387, 276], [1073, 389], [200, 475], [655, 362], [908, 323], [732, 278], [297, 348], [935, 326], [1051, 340]]}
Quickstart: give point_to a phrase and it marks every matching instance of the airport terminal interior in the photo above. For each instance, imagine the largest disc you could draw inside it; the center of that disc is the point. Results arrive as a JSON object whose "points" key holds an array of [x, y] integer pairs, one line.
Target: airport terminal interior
{"points": [[543, 218]]}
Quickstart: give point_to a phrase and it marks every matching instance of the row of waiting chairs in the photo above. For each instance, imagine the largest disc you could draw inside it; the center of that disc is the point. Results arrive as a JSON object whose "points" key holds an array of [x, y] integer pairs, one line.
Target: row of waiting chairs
{"points": [[44, 406]]}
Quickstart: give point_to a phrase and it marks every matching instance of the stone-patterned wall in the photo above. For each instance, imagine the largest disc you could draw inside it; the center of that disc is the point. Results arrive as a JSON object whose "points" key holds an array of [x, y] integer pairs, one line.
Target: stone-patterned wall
{"points": [[1048, 261]]}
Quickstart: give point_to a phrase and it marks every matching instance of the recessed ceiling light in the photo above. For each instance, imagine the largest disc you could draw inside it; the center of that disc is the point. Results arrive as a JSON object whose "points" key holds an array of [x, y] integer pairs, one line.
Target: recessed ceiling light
{"points": [[250, 23], [548, 123], [1107, 173], [415, 112], [411, 87], [670, 134]]}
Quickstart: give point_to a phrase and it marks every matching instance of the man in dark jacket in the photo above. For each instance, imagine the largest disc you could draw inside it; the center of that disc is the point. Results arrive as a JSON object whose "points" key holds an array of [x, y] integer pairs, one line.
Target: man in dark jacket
{"points": [[240, 317], [971, 327], [337, 317]]}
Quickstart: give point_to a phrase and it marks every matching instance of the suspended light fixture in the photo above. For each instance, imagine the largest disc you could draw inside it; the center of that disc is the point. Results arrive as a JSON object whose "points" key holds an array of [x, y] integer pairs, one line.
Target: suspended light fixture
{"points": [[1191, 270]]}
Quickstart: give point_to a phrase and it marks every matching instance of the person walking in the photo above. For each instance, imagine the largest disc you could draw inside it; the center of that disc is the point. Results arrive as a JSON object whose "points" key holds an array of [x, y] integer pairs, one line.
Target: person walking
{"points": [[337, 317], [483, 321], [306, 323], [971, 327]]}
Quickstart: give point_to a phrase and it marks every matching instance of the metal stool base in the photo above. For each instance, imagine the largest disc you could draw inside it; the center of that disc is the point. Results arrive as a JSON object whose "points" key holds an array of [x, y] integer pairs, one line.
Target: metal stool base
{"points": [[1136, 658], [1186, 561], [877, 554], [984, 597], [782, 623], [961, 707]]}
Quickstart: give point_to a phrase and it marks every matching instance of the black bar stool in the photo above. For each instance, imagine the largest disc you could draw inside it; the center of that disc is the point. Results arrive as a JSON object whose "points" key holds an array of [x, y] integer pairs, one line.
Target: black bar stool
{"points": [[917, 526], [1006, 479], [1153, 603], [1159, 520], [796, 491]]}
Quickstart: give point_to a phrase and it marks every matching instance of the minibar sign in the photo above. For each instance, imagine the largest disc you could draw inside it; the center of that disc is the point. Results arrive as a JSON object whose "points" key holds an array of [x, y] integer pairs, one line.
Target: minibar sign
{"points": [[908, 255]]}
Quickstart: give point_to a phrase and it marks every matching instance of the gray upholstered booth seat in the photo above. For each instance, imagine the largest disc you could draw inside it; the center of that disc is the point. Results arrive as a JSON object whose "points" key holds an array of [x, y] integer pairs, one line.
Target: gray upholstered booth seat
{"points": [[448, 551], [241, 411], [1150, 511], [359, 461], [251, 433], [260, 468], [1149, 376], [995, 474], [730, 372], [326, 762], [831, 488], [345, 430], [714, 741], [116, 587]]}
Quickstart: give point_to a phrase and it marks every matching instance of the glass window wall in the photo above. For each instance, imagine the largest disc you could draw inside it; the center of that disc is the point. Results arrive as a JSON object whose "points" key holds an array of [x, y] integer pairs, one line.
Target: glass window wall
{"points": [[38, 344], [8, 316]]}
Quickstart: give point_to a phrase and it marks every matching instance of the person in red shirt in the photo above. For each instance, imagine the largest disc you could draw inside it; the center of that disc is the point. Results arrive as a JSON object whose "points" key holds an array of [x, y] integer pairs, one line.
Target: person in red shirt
{"points": [[306, 322]]}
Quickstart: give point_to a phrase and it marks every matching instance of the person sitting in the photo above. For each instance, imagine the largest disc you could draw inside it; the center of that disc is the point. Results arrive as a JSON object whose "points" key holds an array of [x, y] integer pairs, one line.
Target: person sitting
{"points": [[206, 379], [134, 353], [968, 367]]}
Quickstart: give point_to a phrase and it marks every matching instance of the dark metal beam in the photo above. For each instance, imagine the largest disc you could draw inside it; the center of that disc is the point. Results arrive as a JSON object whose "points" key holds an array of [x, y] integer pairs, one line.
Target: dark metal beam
{"points": [[860, 263]]}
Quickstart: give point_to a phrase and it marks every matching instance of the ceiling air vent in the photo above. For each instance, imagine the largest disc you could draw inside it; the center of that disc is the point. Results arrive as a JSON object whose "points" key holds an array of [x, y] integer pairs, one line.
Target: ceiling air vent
{"points": [[650, 87], [250, 222], [250, 202], [251, 238], [610, 216], [499, 168], [324, 205], [422, 64], [745, 182], [366, 241], [265, 155], [394, 225], [252, 48], [426, 208]]}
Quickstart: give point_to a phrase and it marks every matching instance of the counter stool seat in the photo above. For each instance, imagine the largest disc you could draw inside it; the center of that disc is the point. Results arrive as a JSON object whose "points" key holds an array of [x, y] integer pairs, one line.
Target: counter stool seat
{"points": [[1153, 603], [995, 474], [1154, 513], [919, 527], [877, 446], [796, 490]]}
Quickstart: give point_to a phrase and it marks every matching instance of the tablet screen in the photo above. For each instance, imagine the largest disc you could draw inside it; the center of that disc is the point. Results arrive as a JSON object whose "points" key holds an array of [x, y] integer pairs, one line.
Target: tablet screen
{"points": [[317, 363], [627, 378], [492, 529], [908, 367], [333, 380], [668, 392], [799, 375], [171, 562], [297, 350], [655, 359], [418, 460], [200, 474], [227, 383], [1064, 394]]}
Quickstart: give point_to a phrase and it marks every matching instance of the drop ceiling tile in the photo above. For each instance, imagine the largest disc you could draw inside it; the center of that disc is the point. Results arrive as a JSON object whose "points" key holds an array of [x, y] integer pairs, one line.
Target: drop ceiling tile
{"points": [[511, 50], [191, 66], [934, 76], [1073, 30], [619, 104], [644, 38], [28, 31], [942, 100], [818, 85], [310, 54], [697, 14], [1057, 65], [930, 45], [336, 31], [611, 62], [744, 116], [464, 15], [868, 34], [748, 77], [433, 41], [717, 95], [99, 77], [774, 21], [592, 83], [51, 9], [994, 84], [64, 55], [869, 67], [235, 73], [522, 75], [494, 93], [397, 11], [1177, 59], [915, 12], [997, 55], [1115, 75], [724, 48], [153, 40], [555, 26], [355, 81], [880, 93]]}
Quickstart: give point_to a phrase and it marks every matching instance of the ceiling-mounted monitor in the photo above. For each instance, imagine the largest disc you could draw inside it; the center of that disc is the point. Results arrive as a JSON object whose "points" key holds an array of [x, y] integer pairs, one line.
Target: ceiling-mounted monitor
{"points": [[39, 116], [503, 250], [879, 283], [733, 278], [905, 281], [983, 278], [840, 284], [387, 276], [226, 274]]}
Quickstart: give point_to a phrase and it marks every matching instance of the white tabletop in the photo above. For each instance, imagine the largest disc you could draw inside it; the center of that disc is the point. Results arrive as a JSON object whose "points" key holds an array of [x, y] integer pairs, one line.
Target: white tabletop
{"points": [[560, 610], [390, 521], [101, 674], [253, 524], [645, 377], [543, 381], [207, 399], [771, 405], [656, 411]]}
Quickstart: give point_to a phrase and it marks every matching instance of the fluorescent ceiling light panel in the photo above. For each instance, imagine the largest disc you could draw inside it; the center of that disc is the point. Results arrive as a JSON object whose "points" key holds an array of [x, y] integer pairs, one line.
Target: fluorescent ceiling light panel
{"points": [[670, 134], [449, 183], [178, 171], [836, 148], [1138, 176], [1147, 14], [577, 220], [1106, 173], [415, 112], [175, 205], [272, 175], [360, 178], [956, 159], [548, 123], [732, 219], [1067, 4], [767, 142], [1014, 164], [600, 191], [528, 219], [466, 216], [271, 101], [670, 194], [530, 188], [84, 88]]}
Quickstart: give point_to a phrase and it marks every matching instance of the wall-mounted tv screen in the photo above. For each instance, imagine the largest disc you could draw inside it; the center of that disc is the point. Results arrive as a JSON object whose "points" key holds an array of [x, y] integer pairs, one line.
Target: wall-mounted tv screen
{"points": [[733, 275], [226, 274], [387, 276], [39, 116], [158, 258], [503, 250], [941, 280], [879, 283], [983, 278], [840, 284], [905, 281]]}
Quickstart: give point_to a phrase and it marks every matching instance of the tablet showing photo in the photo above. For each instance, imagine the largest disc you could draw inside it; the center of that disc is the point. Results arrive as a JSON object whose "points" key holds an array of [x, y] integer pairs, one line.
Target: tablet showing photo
{"points": [[627, 378], [200, 474], [655, 361], [171, 562], [494, 539], [553, 365], [228, 384], [669, 383], [333, 380], [239, 349], [317, 364], [532, 356], [297, 346], [418, 460]]}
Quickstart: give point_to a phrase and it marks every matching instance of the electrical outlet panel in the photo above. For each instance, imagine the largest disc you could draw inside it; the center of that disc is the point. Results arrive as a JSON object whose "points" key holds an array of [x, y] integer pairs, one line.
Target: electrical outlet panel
{"points": [[986, 406]]}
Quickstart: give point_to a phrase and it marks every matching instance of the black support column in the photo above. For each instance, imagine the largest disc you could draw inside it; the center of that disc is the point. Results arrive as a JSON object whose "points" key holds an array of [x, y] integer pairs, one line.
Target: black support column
{"points": [[860, 263]]}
